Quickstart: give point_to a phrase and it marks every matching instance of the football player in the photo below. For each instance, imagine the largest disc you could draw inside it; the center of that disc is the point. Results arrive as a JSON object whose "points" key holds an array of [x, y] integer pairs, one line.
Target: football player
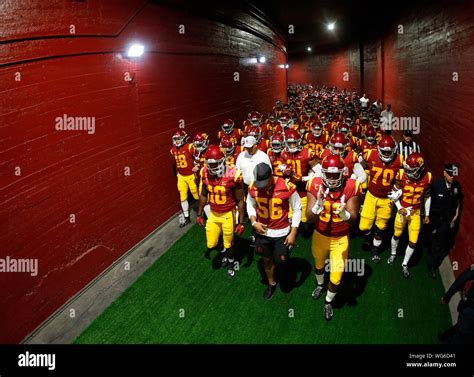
{"points": [[256, 132], [383, 167], [411, 186], [268, 203], [301, 161], [317, 139], [200, 142], [338, 144], [369, 141], [222, 186], [230, 149], [277, 144], [254, 118], [333, 205], [228, 129], [183, 153]]}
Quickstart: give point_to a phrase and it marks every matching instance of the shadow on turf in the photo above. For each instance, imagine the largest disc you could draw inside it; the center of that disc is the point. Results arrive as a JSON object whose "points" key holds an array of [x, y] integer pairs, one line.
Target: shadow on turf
{"points": [[352, 286], [289, 276]]}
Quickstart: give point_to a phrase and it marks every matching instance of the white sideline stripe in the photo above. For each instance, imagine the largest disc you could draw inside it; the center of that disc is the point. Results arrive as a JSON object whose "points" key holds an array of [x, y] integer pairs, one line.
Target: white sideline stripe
{"points": [[103, 290], [447, 276]]}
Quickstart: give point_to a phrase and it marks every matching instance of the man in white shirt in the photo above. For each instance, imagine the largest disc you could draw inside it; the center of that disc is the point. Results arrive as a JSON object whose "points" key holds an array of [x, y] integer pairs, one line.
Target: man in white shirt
{"points": [[268, 204], [387, 116], [251, 157], [364, 101]]}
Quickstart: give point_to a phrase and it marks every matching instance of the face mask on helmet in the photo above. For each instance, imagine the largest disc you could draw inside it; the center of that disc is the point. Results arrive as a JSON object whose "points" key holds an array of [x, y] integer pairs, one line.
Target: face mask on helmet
{"points": [[227, 127], [201, 145], [228, 148], [317, 131], [337, 148], [276, 146], [332, 177], [371, 139], [293, 145], [216, 167], [386, 154], [179, 140]]}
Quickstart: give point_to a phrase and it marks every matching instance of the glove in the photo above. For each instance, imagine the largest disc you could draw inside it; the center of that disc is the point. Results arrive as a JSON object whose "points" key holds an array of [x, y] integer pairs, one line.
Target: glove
{"points": [[239, 229], [408, 209], [200, 221], [341, 210], [319, 206], [394, 195]]}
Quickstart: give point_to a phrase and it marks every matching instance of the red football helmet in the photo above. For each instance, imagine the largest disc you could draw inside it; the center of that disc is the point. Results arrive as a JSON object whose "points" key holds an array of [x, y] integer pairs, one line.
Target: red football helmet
{"points": [[338, 143], [255, 118], [201, 141], [277, 142], [286, 120], [179, 138], [333, 171], [292, 141], [308, 110], [317, 129], [348, 120], [256, 132], [343, 128], [227, 126], [370, 135], [387, 148], [228, 145], [215, 161], [323, 118], [272, 117], [414, 165]]}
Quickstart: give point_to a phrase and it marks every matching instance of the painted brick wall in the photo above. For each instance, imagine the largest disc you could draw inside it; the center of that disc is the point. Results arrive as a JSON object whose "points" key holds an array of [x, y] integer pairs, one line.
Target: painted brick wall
{"points": [[189, 76], [437, 40], [328, 68]]}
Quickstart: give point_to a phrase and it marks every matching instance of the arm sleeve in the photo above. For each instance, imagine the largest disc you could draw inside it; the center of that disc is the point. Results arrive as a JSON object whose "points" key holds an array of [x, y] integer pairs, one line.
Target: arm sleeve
{"points": [[295, 203], [251, 205], [459, 283], [427, 205]]}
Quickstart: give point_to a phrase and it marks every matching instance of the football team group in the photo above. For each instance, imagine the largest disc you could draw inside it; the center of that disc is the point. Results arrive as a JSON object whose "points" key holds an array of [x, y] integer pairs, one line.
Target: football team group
{"points": [[310, 169]]}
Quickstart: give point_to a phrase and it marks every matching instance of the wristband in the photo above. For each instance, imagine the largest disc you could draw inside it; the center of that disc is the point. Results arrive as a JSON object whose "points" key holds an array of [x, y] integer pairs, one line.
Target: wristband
{"points": [[345, 215], [254, 222]]}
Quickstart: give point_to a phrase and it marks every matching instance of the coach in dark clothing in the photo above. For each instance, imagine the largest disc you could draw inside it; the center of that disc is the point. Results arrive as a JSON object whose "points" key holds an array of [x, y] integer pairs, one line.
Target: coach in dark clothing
{"points": [[463, 331], [446, 196]]}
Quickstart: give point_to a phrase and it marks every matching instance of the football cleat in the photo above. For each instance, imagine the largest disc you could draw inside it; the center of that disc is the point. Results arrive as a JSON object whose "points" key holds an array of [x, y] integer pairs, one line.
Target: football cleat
{"points": [[391, 259], [328, 312], [183, 220], [317, 292], [267, 295], [375, 258], [405, 272]]}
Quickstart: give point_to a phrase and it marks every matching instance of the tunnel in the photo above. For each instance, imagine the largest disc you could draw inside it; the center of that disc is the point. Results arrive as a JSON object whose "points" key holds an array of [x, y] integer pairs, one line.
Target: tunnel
{"points": [[96, 230]]}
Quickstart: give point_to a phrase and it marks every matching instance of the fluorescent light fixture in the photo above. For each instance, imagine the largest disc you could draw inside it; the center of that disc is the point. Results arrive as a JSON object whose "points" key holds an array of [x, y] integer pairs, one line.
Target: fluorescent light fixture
{"points": [[135, 51], [281, 66], [309, 49], [262, 59], [331, 26]]}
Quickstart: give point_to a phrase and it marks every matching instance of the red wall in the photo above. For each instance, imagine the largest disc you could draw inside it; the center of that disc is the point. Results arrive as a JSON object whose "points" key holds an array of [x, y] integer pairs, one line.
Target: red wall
{"points": [[438, 40], [327, 68], [186, 77]]}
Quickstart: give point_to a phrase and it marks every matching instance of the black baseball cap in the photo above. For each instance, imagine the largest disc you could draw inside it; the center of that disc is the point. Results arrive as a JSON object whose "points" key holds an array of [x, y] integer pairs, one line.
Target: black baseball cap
{"points": [[451, 169], [261, 175], [407, 132]]}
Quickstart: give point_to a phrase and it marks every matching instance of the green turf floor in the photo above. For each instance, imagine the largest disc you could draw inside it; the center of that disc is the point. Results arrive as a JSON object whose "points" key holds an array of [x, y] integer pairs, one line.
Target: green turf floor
{"points": [[181, 299]]}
